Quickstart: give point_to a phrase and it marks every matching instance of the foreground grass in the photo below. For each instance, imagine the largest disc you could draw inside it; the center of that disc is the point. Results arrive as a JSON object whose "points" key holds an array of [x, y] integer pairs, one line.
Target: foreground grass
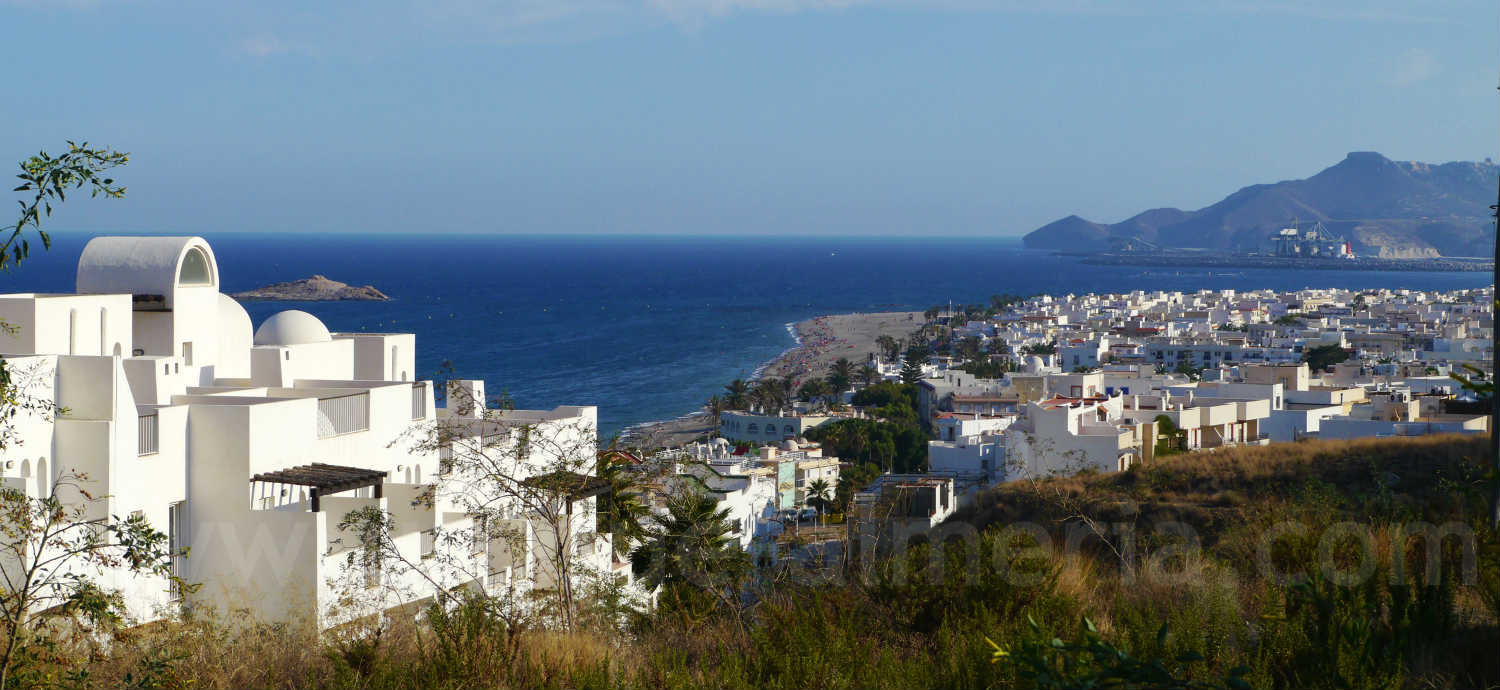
{"points": [[920, 618]]}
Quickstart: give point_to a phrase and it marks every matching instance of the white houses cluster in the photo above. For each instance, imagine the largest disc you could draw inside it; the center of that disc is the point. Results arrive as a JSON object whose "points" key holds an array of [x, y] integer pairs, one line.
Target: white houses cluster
{"points": [[1104, 380], [247, 445]]}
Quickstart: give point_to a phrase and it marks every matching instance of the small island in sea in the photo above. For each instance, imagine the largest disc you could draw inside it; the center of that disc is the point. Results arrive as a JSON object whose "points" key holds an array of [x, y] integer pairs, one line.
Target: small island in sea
{"points": [[315, 289]]}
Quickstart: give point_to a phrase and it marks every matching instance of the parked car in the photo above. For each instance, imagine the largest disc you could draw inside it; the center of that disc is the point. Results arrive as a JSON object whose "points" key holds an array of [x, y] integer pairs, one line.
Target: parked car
{"points": [[808, 514]]}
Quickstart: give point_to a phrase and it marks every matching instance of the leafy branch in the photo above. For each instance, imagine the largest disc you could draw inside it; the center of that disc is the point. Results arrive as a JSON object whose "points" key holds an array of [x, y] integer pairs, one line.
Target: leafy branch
{"points": [[50, 178]]}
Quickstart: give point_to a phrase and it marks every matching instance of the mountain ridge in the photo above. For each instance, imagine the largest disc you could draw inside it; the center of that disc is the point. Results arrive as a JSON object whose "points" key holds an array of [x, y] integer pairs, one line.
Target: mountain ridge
{"points": [[1385, 208]]}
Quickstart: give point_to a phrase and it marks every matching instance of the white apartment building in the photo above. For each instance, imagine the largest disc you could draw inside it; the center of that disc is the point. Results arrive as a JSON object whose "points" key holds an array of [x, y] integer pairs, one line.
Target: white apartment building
{"points": [[739, 425], [246, 445]]}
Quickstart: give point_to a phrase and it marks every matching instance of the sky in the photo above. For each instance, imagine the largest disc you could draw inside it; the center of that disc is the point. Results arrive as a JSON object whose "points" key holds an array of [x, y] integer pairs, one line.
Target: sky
{"points": [[793, 117]]}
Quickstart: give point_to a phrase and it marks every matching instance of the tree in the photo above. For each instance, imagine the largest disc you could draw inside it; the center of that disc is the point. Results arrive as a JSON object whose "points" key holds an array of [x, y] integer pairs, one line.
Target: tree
{"points": [[989, 368], [621, 512], [738, 394], [690, 547], [968, 348], [814, 390], [841, 374], [50, 543], [49, 178], [772, 394], [1039, 349], [525, 485], [819, 493], [1324, 356], [715, 408], [1169, 439], [911, 367], [1187, 369], [854, 479], [868, 374], [890, 347]]}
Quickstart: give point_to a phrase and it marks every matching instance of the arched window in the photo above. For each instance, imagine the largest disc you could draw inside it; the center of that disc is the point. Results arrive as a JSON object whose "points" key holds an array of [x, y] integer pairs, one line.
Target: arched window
{"points": [[103, 330], [117, 350], [753, 428], [394, 350], [43, 478], [195, 269], [72, 331]]}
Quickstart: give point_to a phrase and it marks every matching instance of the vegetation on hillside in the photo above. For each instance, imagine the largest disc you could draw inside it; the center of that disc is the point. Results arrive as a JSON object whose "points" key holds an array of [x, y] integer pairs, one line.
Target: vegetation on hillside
{"points": [[1199, 601]]}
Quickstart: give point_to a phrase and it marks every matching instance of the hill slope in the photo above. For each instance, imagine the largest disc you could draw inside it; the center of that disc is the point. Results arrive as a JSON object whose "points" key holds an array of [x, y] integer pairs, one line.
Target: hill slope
{"points": [[1385, 208]]}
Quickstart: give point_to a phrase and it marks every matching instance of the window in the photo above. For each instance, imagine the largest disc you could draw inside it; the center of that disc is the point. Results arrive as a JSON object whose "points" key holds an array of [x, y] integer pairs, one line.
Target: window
{"points": [[195, 269], [72, 331], [104, 330], [187, 353], [429, 543], [177, 544]]}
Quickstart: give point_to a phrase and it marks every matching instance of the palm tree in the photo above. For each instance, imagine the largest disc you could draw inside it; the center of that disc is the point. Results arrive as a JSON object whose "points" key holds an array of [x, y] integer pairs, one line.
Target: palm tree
{"points": [[787, 391], [819, 493], [813, 390], [889, 346], [841, 374], [737, 390], [620, 510], [689, 545], [757, 398], [715, 407], [869, 374]]}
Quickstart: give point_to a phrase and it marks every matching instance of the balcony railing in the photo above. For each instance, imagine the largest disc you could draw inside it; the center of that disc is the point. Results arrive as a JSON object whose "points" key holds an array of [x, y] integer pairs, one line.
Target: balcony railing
{"points": [[343, 414], [418, 401], [147, 434]]}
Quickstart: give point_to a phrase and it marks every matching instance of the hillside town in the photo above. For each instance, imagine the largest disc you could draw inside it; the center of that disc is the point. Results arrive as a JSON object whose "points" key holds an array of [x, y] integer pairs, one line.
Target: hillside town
{"points": [[1103, 383], [294, 471]]}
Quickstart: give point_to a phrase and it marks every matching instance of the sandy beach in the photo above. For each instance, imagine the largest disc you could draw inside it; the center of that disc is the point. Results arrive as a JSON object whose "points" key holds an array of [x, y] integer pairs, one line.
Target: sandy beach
{"points": [[822, 341]]}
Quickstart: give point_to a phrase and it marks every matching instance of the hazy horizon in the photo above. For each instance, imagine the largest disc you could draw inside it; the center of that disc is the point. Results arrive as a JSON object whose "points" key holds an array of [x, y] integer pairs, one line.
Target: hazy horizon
{"points": [[730, 117]]}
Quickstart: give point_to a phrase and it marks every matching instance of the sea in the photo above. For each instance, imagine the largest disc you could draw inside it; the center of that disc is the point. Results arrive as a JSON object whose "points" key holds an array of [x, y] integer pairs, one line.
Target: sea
{"points": [[648, 327]]}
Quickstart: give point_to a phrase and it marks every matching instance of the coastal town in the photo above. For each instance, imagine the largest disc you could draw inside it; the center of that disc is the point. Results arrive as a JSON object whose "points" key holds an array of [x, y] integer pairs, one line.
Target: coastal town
{"points": [[750, 344], [311, 471]]}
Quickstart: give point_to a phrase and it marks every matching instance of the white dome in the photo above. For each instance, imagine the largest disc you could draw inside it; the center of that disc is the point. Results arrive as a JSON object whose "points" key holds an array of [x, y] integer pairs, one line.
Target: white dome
{"points": [[789, 444], [292, 327]]}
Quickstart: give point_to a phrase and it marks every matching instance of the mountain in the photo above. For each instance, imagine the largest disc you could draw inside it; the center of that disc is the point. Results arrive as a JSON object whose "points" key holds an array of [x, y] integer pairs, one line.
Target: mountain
{"points": [[1396, 209]]}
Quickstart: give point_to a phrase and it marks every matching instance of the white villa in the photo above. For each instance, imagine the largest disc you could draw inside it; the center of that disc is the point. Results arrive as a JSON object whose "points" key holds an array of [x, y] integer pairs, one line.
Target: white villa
{"points": [[247, 445]]}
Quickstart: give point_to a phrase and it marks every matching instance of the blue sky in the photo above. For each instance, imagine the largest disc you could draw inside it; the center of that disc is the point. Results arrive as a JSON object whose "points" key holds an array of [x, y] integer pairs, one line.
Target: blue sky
{"points": [[729, 116]]}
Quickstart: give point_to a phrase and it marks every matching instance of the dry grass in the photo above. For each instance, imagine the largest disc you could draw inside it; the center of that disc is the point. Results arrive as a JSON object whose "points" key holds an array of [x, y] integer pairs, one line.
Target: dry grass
{"points": [[1214, 489]]}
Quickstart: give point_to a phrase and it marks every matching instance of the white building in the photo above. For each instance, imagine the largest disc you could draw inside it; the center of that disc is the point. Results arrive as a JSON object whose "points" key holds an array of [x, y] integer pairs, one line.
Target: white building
{"points": [[739, 425], [246, 446]]}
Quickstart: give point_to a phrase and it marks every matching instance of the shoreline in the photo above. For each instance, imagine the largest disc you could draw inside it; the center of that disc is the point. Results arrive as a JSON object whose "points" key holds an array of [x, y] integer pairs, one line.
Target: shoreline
{"points": [[817, 343]]}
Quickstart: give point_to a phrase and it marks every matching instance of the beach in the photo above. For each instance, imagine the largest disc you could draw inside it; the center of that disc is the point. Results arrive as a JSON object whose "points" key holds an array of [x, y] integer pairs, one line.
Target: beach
{"points": [[821, 341]]}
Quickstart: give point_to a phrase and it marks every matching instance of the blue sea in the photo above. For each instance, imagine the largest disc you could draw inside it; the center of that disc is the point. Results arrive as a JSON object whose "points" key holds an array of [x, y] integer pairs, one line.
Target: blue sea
{"points": [[648, 327]]}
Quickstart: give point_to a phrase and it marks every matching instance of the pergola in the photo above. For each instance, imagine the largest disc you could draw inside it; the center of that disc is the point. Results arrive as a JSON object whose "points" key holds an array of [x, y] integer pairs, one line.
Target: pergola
{"points": [[326, 479], [573, 485]]}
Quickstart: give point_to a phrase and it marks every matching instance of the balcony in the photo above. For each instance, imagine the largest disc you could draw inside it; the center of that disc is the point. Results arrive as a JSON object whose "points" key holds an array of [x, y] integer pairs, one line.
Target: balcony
{"points": [[343, 414], [147, 435]]}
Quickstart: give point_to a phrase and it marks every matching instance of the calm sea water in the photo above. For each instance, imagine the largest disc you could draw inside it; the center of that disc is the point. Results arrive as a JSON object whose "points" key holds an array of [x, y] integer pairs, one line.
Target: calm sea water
{"points": [[649, 327]]}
